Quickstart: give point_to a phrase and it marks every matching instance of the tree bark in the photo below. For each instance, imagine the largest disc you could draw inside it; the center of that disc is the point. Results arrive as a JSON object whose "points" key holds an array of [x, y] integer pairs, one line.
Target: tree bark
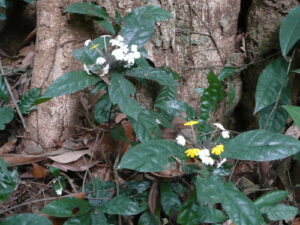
{"points": [[200, 37]]}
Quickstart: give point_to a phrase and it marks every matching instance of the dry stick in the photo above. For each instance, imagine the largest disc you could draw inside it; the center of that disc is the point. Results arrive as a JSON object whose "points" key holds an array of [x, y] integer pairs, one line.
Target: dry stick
{"points": [[12, 96]]}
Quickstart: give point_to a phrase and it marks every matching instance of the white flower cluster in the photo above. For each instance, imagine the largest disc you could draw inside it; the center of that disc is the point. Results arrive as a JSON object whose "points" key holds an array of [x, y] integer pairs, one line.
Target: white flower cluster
{"points": [[225, 133], [123, 52], [204, 155]]}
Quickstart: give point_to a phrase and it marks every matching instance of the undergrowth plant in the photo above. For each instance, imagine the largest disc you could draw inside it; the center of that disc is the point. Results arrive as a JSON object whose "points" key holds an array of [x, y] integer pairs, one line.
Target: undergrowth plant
{"points": [[202, 156]]}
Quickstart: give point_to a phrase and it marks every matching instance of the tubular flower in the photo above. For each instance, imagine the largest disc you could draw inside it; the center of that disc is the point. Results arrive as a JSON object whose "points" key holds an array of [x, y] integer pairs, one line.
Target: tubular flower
{"points": [[192, 152], [218, 150], [191, 123]]}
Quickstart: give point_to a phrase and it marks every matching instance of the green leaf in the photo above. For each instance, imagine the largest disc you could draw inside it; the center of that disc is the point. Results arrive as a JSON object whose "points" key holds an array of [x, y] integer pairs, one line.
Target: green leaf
{"points": [[169, 199], [3, 91], [139, 24], [119, 91], [270, 198], [296, 71], [122, 205], [7, 115], [88, 9], [212, 95], [29, 1], [270, 83], [79, 220], [281, 212], [3, 4], [69, 83], [294, 112], [2, 16], [8, 181], [261, 145], [238, 207], [102, 109], [161, 76], [148, 218], [106, 25], [67, 207], [96, 216], [166, 93], [28, 99], [290, 31], [226, 72], [151, 156], [25, 219]]}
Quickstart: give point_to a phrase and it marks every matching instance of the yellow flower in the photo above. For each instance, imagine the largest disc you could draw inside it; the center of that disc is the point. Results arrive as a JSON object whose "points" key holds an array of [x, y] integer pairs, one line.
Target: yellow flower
{"points": [[191, 123], [218, 150], [94, 46], [192, 152]]}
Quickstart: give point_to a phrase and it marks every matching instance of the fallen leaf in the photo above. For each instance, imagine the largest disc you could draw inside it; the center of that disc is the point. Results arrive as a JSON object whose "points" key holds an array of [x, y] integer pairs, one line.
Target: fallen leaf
{"points": [[19, 159], [38, 171], [79, 165], [9, 146], [69, 156]]}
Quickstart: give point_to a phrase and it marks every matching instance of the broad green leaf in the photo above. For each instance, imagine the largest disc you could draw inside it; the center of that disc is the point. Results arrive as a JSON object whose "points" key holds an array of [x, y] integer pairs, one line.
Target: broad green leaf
{"points": [[65, 207], [7, 115], [166, 93], [272, 119], [281, 212], [226, 72], [294, 112], [123, 205], [102, 109], [231, 94], [174, 108], [99, 191], [79, 220], [270, 83], [290, 31], [3, 90], [28, 99], [88, 9], [296, 71], [150, 73], [29, 1], [139, 24], [8, 181], [98, 87], [148, 218], [134, 187], [261, 145], [238, 207], [151, 156], [3, 4], [25, 219], [270, 198], [96, 216], [69, 83], [212, 95], [106, 25], [168, 199]]}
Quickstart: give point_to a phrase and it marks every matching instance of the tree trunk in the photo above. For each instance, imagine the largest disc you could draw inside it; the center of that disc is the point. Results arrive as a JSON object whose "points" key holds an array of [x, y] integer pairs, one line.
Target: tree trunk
{"points": [[200, 37]]}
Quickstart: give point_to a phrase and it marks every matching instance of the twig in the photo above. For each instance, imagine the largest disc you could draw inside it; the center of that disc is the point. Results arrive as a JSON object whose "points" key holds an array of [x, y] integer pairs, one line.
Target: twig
{"points": [[12, 96]]}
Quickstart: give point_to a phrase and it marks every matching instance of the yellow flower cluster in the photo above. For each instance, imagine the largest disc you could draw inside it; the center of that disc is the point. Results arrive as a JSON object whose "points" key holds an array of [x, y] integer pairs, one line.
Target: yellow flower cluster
{"points": [[192, 152], [218, 150]]}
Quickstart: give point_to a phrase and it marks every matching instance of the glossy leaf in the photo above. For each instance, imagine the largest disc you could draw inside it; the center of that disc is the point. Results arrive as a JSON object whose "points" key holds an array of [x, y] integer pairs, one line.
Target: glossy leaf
{"points": [[280, 212], [270, 83], [7, 115], [150, 73], [290, 31], [166, 93], [28, 99], [168, 199], [226, 72], [212, 95], [151, 156], [139, 24], [69, 83], [148, 219], [261, 145], [79, 220], [87, 9], [67, 207], [3, 90], [206, 187], [106, 25], [270, 198], [96, 216], [8, 181], [294, 112], [122, 205], [102, 109], [25, 219]]}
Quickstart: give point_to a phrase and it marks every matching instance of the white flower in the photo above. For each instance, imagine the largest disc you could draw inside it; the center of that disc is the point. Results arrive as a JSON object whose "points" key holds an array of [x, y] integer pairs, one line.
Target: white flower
{"points": [[208, 160], [134, 48], [157, 121], [118, 54], [221, 163], [180, 140], [118, 41], [204, 153], [86, 69], [100, 60], [225, 133], [87, 42], [105, 70]]}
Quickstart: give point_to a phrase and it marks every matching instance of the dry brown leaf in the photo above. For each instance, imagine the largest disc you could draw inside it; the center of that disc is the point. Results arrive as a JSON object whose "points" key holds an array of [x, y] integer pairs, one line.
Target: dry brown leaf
{"points": [[33, 150], [19, 159], [119, 117], [296, 221], [38, 171], [103, 172], [9, 146], [169, 173], [79, 165], [69, 156], [153, 197]]}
